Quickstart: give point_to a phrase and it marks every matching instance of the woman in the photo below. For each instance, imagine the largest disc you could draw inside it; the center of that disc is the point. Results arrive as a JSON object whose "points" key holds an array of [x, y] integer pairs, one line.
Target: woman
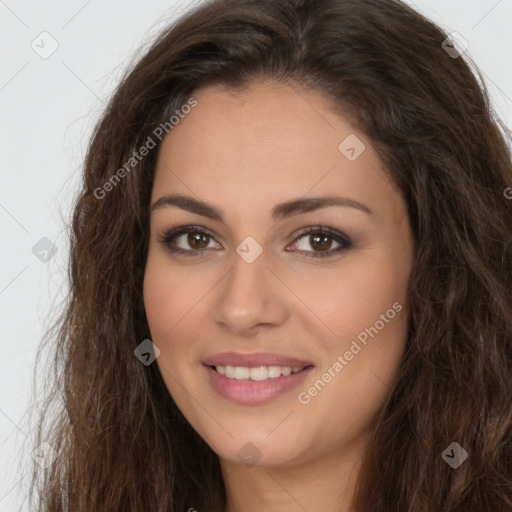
{"points": [[290, 274]]}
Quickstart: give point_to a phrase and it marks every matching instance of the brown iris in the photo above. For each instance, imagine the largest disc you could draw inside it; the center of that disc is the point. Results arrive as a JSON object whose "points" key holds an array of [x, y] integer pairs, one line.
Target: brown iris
{"points": [[320, 241], [194, 238]]}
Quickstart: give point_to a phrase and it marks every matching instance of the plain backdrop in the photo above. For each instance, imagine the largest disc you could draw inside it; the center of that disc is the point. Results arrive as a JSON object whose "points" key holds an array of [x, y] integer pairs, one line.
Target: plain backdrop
{"points": [[61, 61]]}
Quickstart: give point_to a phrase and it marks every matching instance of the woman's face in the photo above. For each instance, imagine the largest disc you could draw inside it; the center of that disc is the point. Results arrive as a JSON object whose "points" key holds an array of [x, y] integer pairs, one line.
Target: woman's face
{"points": [[261, 296]]}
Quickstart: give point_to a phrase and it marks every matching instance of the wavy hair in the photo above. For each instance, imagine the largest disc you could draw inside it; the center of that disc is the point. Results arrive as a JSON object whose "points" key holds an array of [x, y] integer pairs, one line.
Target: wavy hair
{"points": [[120, 442]]}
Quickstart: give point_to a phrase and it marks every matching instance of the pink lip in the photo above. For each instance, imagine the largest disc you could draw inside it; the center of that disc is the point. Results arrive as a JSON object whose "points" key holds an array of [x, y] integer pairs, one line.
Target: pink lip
{"points": [[252, 392], [252, 360]]}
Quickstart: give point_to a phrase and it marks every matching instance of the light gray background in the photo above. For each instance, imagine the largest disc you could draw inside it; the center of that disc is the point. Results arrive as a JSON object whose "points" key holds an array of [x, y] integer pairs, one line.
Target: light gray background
{"points": [[48, 109]]}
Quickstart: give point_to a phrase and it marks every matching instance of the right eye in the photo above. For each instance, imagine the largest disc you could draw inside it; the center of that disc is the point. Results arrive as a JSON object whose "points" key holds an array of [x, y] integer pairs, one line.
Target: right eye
{"points": [[197, 238]]}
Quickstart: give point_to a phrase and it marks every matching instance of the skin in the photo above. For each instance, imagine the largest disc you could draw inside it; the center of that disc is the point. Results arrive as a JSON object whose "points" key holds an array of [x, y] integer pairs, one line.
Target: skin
{"points": [[244, 152]]}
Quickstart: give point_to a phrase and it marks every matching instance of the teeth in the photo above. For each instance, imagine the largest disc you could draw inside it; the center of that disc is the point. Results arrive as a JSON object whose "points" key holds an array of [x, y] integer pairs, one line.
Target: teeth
{"points": [[256, 373], [242, 373]]}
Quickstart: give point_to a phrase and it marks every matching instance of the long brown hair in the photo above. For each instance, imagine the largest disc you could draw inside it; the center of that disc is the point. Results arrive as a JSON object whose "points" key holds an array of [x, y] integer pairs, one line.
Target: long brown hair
{"points": [[120, 442]]}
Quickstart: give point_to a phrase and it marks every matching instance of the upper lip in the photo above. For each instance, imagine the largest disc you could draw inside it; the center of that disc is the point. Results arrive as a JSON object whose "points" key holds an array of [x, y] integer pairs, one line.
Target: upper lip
{"points": [[254, 359]]}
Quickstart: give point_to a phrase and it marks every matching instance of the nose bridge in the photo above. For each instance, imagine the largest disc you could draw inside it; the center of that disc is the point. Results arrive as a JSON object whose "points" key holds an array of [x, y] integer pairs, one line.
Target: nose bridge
{"points": [[246, 283], [248, 296]]}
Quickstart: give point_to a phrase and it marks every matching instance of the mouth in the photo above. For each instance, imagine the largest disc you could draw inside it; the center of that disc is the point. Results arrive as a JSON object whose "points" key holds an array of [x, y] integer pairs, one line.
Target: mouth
{"points": [[255, 385]]}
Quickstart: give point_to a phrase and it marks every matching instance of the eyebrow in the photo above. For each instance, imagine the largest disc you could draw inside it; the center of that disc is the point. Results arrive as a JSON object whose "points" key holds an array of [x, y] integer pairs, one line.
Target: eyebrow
{"points": [[280, 211]]}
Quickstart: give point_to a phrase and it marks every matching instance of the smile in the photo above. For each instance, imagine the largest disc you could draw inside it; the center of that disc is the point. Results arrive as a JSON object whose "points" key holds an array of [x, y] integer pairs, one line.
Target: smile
{"points": [[254, 385]]}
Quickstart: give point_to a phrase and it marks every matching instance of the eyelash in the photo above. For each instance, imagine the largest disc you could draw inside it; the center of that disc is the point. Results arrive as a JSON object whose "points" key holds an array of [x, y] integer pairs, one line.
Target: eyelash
{"points": [[345, 243]]}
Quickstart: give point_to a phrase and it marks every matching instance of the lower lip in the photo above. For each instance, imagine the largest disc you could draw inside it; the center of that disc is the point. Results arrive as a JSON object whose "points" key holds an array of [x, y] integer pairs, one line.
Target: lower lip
{"points": [[254, 392]]}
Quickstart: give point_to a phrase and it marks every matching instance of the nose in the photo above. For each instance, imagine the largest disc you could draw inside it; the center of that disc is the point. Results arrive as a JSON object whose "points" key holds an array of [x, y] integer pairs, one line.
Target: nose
{"points": [[251, 296]]}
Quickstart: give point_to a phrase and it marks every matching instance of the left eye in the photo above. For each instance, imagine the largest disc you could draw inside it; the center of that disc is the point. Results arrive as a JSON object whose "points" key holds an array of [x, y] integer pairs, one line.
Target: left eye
{"points": [[319, 241], [319, 238]]}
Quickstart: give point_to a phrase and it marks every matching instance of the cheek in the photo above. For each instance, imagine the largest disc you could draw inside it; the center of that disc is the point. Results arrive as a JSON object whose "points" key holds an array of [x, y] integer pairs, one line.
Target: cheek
{"points": [[348, 393], [172, 301], [354, 297], [365, 308], [158, 302], [169, 296]]}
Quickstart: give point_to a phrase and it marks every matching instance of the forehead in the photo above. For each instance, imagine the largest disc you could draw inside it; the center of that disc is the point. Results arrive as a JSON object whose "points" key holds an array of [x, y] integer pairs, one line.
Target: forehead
{"points": [[271, 142]]}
